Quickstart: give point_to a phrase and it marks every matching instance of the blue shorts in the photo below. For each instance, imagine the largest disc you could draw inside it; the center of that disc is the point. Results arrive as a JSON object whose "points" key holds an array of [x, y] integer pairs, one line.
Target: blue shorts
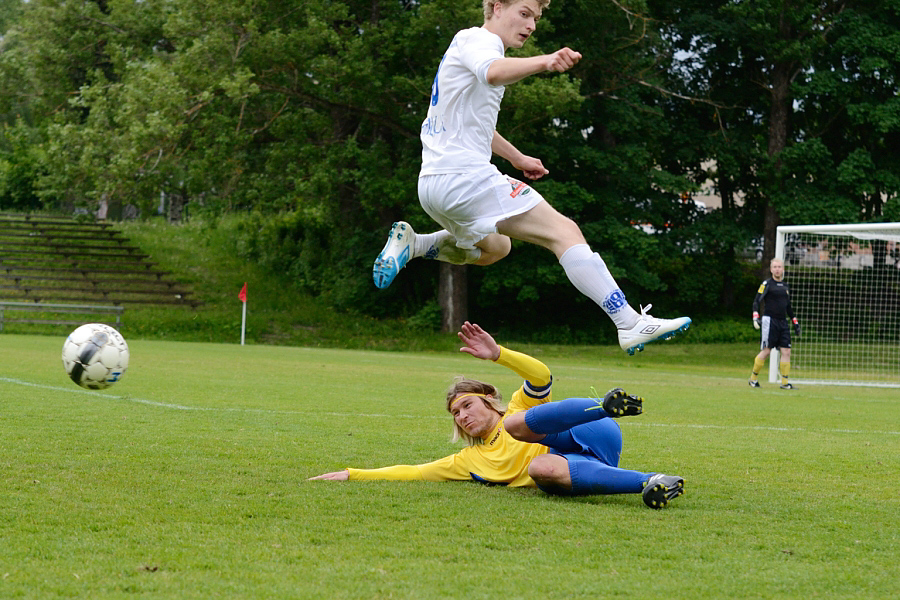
{"points": [[596, 440]]}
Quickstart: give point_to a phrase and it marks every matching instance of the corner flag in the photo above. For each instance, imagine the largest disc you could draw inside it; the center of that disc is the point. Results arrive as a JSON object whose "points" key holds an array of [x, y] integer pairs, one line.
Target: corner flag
{"points": [[243, 296]]}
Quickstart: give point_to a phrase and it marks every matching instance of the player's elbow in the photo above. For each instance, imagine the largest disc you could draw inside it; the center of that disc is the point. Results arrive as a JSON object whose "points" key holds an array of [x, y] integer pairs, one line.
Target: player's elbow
{"points": [[541, 379], [503, 72]]}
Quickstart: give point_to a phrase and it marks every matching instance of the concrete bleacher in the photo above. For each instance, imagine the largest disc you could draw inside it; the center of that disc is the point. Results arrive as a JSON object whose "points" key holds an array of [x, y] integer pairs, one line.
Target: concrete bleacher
{"points": [[64, 262]]}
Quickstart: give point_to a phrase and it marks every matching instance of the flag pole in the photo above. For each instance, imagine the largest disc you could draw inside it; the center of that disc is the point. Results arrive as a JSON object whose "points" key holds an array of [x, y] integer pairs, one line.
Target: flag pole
{"points": [[243, 321], [243, 297]]}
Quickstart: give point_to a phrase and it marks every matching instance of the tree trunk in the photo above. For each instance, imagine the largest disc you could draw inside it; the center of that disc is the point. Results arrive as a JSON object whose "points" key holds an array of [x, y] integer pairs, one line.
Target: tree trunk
{"points": [[728, 259], [452, 296], [779, 126]]}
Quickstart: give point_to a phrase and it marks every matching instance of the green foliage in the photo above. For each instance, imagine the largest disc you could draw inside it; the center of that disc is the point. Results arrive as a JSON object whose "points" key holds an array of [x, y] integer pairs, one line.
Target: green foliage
{"points": [[21, 167], [215, 256], [308, 112], [724, 331]]}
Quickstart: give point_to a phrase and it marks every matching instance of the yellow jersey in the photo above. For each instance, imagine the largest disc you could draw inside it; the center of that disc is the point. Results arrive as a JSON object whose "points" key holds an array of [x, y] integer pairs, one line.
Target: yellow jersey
{"points": [[500, 459]]}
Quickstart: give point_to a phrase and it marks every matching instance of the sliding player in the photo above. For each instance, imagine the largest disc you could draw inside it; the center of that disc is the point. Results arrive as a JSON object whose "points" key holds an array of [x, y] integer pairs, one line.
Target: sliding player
{"points": [[479, 208], [570, 447], [775, 295]]}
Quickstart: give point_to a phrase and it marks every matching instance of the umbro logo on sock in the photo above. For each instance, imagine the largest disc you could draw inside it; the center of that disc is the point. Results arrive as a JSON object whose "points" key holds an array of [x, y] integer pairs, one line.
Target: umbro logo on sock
{"points": [[649, 329]]}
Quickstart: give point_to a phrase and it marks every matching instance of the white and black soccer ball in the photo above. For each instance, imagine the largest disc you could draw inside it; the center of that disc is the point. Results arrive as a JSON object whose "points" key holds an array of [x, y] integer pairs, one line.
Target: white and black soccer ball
{"points": [[95, 356]]}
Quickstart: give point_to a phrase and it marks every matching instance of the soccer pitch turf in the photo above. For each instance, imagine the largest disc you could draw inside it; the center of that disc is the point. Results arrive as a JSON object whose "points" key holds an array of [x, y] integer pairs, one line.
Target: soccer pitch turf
{"points": [[187, 479]]}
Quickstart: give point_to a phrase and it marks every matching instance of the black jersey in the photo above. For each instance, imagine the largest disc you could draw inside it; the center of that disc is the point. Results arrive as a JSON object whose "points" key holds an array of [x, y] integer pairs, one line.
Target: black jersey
{"points": [[775, 296]]}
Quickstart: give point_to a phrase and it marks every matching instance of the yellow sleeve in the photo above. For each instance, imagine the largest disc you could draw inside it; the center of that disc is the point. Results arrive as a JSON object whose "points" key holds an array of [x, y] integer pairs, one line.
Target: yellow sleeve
{"points": [[456, 467], [527, 367], [450, 468], [394, 473]]}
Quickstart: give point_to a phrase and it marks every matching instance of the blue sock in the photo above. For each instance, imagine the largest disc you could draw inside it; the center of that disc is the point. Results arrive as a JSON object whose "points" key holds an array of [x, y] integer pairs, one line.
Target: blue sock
{"points": [[594, 477], [554, 417]]}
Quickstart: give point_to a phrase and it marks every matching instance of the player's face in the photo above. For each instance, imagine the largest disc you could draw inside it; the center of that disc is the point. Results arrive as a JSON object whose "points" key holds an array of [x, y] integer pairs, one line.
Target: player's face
{"points": [[473, 415], [777, 270], [515, 23]]}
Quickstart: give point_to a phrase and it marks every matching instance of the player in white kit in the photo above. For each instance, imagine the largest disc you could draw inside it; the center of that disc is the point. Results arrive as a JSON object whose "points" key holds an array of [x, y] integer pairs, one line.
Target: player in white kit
{"points": [[479, 208]]}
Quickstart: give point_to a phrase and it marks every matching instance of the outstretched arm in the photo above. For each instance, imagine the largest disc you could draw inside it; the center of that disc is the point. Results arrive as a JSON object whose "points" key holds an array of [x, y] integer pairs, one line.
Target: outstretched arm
{"points": [[449, 468], [392, 473], [333, 476], [505, 71]]}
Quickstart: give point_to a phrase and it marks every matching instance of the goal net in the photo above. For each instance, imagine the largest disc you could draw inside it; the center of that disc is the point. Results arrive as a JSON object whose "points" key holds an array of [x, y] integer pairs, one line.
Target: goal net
{"points": [[845, 291]]}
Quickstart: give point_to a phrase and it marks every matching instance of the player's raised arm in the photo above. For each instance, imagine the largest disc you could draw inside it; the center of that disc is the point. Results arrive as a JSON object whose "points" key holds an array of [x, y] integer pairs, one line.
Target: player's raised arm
{"points": [[478, 342]]}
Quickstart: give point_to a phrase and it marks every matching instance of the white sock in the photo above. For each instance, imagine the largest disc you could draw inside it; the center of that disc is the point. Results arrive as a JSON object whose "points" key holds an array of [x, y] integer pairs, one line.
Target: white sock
{"points": [[441, 245], [590, 276]]}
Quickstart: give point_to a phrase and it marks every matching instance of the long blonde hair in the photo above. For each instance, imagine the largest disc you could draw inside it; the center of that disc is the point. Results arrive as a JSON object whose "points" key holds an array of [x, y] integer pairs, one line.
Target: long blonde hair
{"points": [[462, 386]]}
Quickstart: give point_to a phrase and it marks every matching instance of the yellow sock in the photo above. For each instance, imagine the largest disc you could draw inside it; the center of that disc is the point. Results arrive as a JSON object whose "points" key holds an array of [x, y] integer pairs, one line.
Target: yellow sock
{"points": [[785, 368], [758, 364]]}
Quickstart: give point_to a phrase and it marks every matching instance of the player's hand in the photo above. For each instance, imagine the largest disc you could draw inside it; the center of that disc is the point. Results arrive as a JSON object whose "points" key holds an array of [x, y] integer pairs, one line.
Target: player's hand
{"points": [[562, 60], [531, 167], [478, 342], [797, 329], [756, 324], [334, 476]]}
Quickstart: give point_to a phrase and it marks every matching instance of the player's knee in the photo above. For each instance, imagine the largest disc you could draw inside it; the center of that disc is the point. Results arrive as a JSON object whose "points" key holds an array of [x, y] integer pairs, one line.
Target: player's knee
{"points": [[493, 248], [571, 228], [563, 228], [563, 233], [516, 427], [549, 470], [489, 258]]}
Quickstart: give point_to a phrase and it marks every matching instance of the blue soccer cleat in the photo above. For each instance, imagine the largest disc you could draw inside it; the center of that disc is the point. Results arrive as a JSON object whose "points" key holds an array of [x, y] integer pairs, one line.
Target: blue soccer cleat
{"points": [[396, 253]]}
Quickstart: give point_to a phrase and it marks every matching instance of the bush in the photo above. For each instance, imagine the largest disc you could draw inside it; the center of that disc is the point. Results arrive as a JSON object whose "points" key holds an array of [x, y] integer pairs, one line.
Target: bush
{"points": [[722, 331], [20, 170]]}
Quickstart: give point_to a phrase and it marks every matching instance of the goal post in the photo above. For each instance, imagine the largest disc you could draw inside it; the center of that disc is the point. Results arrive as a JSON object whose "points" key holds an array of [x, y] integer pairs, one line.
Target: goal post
{"points": [[845, 291]]}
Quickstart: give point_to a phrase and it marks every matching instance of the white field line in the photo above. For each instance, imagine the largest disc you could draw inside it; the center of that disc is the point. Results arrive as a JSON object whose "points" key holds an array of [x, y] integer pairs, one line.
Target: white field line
{"points": [[125, 398], [630, 423]]}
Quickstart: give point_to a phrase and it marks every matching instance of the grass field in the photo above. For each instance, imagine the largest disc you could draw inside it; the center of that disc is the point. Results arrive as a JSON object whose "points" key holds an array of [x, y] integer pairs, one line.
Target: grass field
{"points": [[188, 480]]}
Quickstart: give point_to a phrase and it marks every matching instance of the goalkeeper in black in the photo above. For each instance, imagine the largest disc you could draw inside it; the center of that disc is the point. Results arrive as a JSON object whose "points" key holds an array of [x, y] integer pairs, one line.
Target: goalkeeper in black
{"points": [[775, 297]]}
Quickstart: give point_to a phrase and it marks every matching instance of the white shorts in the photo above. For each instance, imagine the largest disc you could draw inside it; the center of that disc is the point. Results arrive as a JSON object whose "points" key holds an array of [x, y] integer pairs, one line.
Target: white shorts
{"points": [[469, 205]]}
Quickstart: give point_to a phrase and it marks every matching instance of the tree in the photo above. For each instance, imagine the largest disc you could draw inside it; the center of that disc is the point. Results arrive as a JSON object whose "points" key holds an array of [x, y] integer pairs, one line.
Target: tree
{"points": [[305, 116], [850, 114], [783, 72]]}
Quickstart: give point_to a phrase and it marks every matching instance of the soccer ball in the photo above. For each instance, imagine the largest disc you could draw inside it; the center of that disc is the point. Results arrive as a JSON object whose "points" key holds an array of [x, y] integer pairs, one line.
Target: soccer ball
{"points": [[95, 356]]}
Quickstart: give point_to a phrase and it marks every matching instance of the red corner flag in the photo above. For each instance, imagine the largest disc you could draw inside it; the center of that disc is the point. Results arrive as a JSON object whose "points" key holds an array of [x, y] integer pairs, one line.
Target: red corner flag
{"points": [[243, 293]]}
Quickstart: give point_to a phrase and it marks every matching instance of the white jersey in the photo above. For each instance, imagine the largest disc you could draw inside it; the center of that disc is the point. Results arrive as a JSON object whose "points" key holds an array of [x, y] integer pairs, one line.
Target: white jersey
{"points": [[457, 133]]}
